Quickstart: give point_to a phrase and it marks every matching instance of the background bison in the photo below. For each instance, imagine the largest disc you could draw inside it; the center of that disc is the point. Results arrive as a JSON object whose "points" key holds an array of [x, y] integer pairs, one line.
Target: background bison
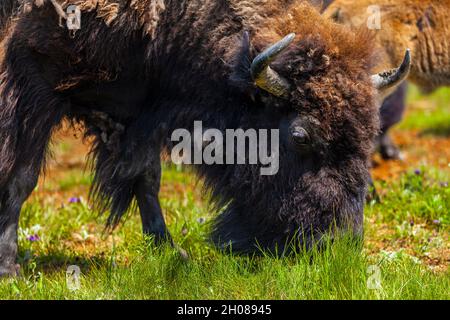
{"points": [[422, 26], [132, 75]]}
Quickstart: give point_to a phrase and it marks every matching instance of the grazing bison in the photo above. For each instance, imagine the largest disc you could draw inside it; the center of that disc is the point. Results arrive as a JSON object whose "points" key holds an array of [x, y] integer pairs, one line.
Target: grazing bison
{"points": [[138, 70], [423, 26]]}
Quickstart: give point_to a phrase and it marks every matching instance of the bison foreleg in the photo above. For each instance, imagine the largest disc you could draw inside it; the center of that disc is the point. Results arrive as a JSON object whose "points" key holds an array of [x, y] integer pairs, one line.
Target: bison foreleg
{"points": [[18, 189], [392, 112], [146, 191], [29, 111]]}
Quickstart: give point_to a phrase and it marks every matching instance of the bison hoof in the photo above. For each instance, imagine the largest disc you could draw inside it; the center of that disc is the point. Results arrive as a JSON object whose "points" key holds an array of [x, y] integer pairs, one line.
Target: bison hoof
{"points": [[158, 238], [183, 253], [390, 152]]}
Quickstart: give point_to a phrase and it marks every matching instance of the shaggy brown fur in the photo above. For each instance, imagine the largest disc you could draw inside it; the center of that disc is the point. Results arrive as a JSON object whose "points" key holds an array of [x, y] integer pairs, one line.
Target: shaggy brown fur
{"points": [[8, 10], [265, 19], [138, 70], [422, 25]]}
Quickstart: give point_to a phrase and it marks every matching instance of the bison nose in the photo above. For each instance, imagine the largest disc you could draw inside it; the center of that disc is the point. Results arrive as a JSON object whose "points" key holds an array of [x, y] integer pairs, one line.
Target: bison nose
{"points": [[300, 136]]}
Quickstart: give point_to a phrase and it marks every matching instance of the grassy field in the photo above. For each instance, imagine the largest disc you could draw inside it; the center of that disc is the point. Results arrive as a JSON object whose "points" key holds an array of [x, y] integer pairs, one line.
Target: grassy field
{"points": [[405, 256]]}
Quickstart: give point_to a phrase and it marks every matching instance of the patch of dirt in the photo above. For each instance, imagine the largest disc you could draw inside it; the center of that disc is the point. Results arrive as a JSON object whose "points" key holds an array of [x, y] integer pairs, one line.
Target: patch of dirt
{"points": [[418, 150], [382, 237], [72, 154], [68, 158]]}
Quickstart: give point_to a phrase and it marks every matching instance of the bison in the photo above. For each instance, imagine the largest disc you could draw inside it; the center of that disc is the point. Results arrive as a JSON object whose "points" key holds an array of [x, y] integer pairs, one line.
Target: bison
{"points": [[420, 25], [138, 70]]}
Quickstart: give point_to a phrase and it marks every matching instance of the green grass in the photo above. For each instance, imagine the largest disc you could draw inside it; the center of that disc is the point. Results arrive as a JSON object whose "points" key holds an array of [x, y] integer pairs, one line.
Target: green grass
{"points": [[429, 113], [423, 195], [74, 180], [340, 272], [124, 267], [405, 233]]}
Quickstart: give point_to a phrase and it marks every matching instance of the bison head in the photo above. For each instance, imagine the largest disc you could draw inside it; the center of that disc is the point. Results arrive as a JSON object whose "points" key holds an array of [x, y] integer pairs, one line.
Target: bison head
{"points": [[320, 93]]}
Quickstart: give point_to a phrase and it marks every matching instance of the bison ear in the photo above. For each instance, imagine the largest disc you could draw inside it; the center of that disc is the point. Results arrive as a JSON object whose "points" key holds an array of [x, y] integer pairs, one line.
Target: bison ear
{"points": [[240, 75], [387, 82]]}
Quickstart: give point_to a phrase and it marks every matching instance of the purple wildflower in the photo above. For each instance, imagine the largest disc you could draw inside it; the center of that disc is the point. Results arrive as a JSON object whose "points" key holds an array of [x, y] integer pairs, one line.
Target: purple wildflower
{"points": [[74, 200], [33, 238], [417, 172], [437, 222]]}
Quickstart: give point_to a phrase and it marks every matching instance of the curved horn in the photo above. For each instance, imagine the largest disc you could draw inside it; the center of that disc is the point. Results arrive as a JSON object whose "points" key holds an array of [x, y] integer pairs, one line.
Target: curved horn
{"points": [[387, 81], [266, 78]]}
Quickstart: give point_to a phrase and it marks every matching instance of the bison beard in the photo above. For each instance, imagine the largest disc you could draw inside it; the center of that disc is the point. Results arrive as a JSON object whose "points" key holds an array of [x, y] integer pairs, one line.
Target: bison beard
{"points": [[132, 76]]}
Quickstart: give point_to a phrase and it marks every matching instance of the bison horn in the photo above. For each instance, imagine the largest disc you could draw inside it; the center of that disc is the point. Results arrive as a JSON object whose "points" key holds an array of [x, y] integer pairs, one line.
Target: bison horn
{"points": [[264, 76], [387, 81]]}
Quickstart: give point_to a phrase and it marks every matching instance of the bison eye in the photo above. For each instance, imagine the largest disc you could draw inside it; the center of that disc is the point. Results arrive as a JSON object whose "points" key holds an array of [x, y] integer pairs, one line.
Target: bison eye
{"points": [[300, 136]]}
